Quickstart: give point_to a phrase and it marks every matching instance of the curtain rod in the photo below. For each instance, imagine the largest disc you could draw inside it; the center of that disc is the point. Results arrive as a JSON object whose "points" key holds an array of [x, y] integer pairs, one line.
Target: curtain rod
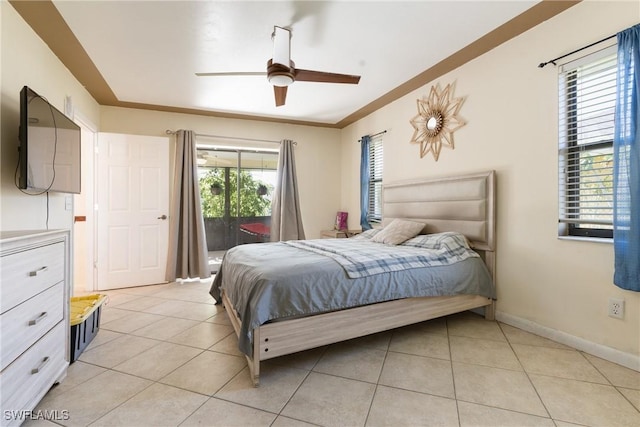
{"points": [[376, 134], [235, 138], [553, 61]]}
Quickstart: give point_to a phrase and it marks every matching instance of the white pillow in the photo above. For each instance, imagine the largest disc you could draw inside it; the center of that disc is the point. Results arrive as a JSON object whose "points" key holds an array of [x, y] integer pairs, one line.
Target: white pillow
{"points": [[398, 231]]}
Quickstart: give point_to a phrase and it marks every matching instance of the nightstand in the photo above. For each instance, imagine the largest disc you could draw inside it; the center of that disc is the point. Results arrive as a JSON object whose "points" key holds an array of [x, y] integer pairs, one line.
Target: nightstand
{"points": [[338, 234]]}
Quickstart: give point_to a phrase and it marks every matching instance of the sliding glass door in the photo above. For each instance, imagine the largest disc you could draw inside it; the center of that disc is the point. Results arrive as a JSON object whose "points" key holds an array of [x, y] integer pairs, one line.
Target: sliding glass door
{"points": [[236, 188]]}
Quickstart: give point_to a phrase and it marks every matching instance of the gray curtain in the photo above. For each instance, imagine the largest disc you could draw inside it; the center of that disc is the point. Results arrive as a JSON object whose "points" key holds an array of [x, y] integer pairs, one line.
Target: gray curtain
{"points": [[188, 256], [286, 221]]}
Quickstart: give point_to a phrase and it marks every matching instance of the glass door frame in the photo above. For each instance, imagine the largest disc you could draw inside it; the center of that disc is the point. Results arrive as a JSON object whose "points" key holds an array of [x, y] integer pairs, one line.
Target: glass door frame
{"points": [[230, 237]]}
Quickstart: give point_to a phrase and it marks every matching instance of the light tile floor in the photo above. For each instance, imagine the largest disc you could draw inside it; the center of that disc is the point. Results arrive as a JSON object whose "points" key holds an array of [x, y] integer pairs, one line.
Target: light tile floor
{"points": [[167, 356]]}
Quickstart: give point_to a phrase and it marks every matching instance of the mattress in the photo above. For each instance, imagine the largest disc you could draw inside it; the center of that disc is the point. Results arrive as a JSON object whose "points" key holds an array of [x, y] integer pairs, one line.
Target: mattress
{"points": [[275, 281]]}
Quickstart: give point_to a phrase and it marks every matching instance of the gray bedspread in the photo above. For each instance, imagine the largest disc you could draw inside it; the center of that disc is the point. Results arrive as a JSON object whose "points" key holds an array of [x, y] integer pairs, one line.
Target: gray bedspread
{"points": [[269, 281]]}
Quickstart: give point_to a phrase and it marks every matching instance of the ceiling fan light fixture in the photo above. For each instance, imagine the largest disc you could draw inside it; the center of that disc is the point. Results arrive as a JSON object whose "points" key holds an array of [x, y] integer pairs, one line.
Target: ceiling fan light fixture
{"points": [[280, 79], [282, 71]]}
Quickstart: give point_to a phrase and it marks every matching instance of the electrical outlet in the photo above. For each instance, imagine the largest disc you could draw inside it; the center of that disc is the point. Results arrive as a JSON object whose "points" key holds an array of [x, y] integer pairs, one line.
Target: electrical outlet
{"points": [[616, 308]]}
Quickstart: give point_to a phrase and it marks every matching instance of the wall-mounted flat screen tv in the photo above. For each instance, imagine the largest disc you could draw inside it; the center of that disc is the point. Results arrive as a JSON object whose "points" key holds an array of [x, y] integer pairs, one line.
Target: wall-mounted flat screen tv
{"points": [[49, 147]]}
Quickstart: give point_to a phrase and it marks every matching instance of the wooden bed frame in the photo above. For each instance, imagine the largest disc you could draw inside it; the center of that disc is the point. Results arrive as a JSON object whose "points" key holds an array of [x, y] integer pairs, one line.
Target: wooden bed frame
{"points": [[465, 204]]}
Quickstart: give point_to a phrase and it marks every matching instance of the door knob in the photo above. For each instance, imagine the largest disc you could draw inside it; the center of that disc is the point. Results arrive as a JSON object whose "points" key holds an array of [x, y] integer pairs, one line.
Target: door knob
{"points": [[163, 217]]}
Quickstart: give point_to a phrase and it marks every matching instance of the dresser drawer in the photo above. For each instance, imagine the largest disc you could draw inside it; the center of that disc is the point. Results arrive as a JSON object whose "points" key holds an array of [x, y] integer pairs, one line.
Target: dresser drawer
{"points": [[27, 379], [25, 274], [23, 325]]}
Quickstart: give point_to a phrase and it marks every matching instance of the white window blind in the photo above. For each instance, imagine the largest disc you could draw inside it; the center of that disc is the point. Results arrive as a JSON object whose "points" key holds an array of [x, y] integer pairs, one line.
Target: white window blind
{"points": [[587, 94], [376, 164]]}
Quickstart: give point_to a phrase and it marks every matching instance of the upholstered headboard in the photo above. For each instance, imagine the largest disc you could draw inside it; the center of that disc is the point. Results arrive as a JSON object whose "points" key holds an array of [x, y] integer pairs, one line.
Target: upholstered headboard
{"points": [[462, 203]]}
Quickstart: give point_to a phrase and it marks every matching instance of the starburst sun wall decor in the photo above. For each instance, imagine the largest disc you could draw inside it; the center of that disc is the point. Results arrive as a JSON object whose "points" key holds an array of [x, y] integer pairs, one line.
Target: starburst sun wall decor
{"points": [[436, 121]]}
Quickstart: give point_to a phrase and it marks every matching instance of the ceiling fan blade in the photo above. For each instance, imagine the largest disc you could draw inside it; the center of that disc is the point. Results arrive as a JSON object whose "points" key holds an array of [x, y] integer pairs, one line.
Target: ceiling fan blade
{"points": [[323, 77], [281, 95], [232, 73], [281, 46]]}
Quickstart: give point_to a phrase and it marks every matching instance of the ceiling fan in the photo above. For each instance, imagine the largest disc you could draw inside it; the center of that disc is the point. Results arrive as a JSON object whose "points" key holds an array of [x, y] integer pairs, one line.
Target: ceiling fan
{"points": [[281, 71]]}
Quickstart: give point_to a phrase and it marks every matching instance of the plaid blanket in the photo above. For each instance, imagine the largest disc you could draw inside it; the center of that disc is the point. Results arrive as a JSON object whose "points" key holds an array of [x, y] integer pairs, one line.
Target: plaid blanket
{"points": [[362, 258]]}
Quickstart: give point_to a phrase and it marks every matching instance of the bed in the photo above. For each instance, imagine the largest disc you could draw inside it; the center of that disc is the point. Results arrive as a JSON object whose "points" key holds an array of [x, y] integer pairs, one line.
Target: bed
{"points": [[285, 297]]}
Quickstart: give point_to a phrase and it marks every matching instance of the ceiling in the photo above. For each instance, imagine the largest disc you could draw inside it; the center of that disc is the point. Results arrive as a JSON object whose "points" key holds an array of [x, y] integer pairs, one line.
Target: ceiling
{"points": [[146, 53]]}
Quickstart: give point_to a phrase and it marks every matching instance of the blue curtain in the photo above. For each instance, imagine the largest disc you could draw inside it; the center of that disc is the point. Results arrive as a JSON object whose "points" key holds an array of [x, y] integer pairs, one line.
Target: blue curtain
{"points": [[626, 172], [364, 182]]}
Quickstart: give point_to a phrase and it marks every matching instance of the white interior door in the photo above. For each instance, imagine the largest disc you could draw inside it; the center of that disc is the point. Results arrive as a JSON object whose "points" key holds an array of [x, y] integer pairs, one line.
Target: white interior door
{"points": [[133, 204], [83, 205]]}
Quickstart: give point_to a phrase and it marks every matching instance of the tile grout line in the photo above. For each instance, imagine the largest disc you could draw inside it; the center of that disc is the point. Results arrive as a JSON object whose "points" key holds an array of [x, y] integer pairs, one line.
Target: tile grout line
{"points": [[377, 384], [544, 405], [609, 381], [158, 381]]}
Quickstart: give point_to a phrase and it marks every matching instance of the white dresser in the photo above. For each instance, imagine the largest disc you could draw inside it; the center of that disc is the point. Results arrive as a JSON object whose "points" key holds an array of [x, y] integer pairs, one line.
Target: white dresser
{"points": [[34, 318]]}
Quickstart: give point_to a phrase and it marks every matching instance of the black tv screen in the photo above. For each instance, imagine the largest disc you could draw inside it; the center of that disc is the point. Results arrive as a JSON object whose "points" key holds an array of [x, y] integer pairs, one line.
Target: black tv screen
{"points": [[49, 147]]}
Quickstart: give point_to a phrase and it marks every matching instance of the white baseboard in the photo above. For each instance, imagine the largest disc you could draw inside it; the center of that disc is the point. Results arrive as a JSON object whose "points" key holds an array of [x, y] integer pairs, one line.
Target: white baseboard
{"points": [[631, 361]]}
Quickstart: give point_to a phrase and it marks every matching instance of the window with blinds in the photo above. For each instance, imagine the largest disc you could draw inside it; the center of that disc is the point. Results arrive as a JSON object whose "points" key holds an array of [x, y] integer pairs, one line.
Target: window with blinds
{"points": [[376, 164], [587, 95]]}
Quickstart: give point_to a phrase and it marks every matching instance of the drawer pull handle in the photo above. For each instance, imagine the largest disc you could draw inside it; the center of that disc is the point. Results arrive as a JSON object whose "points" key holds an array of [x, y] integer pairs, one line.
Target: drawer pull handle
{"points": [[37, 319], [38, 271], [39, 368]]}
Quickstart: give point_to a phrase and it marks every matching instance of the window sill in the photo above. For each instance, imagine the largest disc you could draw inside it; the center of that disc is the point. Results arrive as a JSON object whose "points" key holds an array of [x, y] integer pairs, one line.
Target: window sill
{"points": [[586, 239]]}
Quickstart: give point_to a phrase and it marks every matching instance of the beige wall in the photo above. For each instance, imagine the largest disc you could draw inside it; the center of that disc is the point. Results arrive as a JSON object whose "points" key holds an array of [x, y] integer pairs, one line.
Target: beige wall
{"points": [[317, 153], [26, 60], [511, 112]]}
